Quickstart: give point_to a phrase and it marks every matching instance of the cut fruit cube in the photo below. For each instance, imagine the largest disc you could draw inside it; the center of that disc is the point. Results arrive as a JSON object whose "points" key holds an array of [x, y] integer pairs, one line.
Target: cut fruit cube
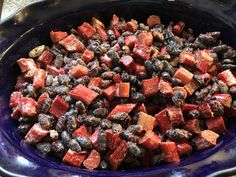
{"points": [[165, 88], [95, 81], [146, 121], [122, 89], [130, 41], [84, 94], [59, 106], [41, 100], [117, 78], [46, 57], [26, 64], [227, 77], [184, 75], [224, 99], [127, 108], [74, 158], [175, 115], [142, 51], [78, 71], [204, 61], [150, 140], [150, 86], [205, 110], [109, 92], [87, 56], [216, 124], [81, 131], [138, 68], [132, 26], [170, 152], [191, 87], [193, 126], [128, 62], [153, 20], [94, 138], [56, 36], [35, 134], [140, 108], [72, 44], [206, 139], [178, 28], [93, 160], [184, 148], [163, 121], [39, 79], [187, 58], [86, 31], [28, 106], [54, 71], [113, 139], [106, 60], [189, 106], [145, 38], [15, 99]]}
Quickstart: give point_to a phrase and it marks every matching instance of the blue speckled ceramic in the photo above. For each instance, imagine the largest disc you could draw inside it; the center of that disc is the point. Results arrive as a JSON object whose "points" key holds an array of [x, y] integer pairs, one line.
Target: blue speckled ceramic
{"points": [[30, 27]]}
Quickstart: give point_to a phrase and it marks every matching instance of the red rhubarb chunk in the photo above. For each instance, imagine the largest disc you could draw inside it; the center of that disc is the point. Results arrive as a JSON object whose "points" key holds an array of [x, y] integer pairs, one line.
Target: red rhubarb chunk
{"points": [[216, 124], [86, 31], [153, 20], [205, 111], [39, 78], [150, 140], [145, 38], [59, 106], [15, 99], [54, 71], [56, 36], [191, 87], [140, 108], [184, 75], [81, 131], [84, 94], [74, 158], [46, 57], [189, 107], [109, 92], [78, 70], [72, 44], [117, 78], [93, 160], [28, 106], [165, 88], [41, 100], [138, 68], [128, 62], [95, 81], [204, 61], [26, 64], [184, 148], [206, 139], [224, 99], [146, 121], [122, 89], [142, 51], [132, 25], [193, 126], [118, 155], [35, 134], [227, 77], [176, 116], [94, 138], [87, 56], [127, 108], [113, 139], [114, 21], [130, 41], [170, 152], [187, 58], [106, 60], [178, 28], [150, 86], [163, 121]]}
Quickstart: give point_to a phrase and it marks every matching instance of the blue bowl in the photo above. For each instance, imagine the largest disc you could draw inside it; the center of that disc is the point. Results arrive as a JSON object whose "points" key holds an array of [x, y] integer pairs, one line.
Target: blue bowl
{"points": [[30, 27]]}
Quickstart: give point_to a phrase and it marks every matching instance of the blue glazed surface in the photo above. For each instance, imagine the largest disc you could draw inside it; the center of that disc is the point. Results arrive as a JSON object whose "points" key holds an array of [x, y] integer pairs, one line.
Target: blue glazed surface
{"points": [[30, 27]]}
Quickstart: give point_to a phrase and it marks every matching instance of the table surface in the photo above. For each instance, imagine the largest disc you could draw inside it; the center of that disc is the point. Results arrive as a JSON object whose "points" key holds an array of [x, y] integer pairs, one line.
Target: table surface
{"points": [[11, 6]]}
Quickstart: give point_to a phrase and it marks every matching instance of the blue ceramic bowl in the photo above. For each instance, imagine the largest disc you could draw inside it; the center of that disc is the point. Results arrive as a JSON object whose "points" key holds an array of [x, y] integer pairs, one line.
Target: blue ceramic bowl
{"points": [[30, 27]]}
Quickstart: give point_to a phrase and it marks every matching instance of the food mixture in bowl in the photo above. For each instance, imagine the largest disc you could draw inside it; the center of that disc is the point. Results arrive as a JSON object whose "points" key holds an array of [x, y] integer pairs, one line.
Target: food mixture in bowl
{"points": [[127, 96]]}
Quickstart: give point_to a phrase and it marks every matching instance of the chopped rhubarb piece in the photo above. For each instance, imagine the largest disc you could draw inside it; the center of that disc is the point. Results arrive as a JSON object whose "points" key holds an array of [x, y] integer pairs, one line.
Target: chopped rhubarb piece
{"points": [[128, 62], [87, 56], [84, 94], [142, 51], [205, 111], [145, 38], [118, 155], [109, 92], [187, 58], [138, 68], [178, 28], [140, 108], [86, 31], [74, 158], [227, 77], [95, 81], [163, 121], [150, 86], [114, 21], [175, 115], [122, 89], [16, 111], [153, 20], [146, 121], [72, 44], [193, 126], [206, 78], [116, 32], [39, 78], [170, 152], [206, 139], [28, 106], [41, 100], [46, 57], [165, 88], [54, 71], [150, 140], [116, 47], [26, 64], [113, 139], [81, 131], [20, 83], [216, 124], [59, 106], [132, 25], [94, 138], [127, 108], [117, 78], [191, 87], [224, 99], [180, 90], [189, 107], [204, 61], [102, 33], [106, 60], [97, 23], [93, 160], [78, 70], [15, 99], [35, 134], [56, 36], [130, 41], [184, 75], [184, 148]]}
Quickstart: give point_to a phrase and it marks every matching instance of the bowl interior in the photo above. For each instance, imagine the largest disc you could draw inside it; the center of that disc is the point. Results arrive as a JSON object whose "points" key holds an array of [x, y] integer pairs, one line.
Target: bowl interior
{"points": [[26, 156]]}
